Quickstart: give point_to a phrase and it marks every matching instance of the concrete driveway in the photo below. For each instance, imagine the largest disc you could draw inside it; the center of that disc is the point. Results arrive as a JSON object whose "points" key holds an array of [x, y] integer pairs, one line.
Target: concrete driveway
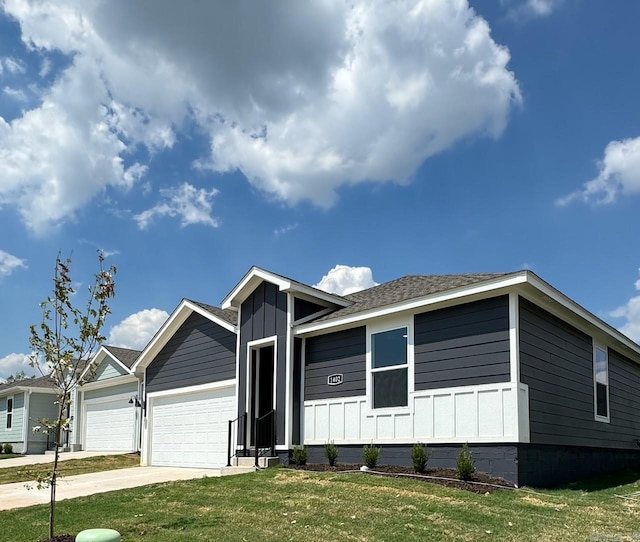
{"points": [[18, 496]]}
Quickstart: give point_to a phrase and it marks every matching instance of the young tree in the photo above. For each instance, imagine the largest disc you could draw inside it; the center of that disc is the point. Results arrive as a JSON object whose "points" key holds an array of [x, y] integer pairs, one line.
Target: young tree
{"points": [[62, 346]]}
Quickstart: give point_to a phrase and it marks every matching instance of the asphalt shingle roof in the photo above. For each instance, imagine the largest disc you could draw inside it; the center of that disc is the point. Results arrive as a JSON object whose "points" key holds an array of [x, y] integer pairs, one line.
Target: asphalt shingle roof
{"points": [[125, 355], [404, 289], [40, 382], [228, 315]]}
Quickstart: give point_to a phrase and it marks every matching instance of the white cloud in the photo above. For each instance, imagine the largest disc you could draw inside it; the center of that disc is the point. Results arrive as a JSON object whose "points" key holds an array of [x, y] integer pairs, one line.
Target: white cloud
{"points": [[531, 8], [12, 65], [136, 330], [278, 232], [619, 174], [303, 98], [192, 205], [345, 280], [15, 93], [15, 363], [8, 263], [630, 311]]}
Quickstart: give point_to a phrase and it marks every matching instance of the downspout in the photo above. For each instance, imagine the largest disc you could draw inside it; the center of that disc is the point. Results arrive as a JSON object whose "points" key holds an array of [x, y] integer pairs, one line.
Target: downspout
{"points": [[25, 421]]}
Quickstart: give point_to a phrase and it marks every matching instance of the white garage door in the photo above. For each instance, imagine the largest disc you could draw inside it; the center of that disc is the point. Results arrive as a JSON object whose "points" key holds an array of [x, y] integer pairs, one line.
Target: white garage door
{"points": [[190, 429], [110, 426]]}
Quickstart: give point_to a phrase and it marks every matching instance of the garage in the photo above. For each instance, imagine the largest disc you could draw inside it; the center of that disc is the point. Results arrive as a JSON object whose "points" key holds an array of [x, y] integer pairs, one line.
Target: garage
{"points": [[190, 429], [109, 425]]}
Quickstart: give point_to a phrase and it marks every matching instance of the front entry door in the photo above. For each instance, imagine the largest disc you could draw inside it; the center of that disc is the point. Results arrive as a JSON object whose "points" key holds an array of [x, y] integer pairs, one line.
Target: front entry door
{"points": [[262, 381]]}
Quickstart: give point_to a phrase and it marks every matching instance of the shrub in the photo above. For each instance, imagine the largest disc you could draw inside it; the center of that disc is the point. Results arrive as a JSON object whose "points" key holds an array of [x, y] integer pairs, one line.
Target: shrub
{"points": [[8, 448], [1, 447], [331, 453], [299, 456], [370, 456], [420, 457], [466, 467]]}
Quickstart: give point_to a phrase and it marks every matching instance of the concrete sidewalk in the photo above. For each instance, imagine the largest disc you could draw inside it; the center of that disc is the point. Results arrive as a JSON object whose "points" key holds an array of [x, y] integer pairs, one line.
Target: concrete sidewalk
{"points": [[18, 496], [36, 459]]}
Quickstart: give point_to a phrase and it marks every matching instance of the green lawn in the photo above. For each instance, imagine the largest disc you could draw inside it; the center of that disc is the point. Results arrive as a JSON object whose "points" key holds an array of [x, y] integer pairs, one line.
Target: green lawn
{"points": [[69, 467], [279, 504]]}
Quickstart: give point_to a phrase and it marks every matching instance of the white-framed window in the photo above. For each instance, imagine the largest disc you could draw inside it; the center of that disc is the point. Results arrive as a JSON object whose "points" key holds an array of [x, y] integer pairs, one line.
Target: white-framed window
{"points": [[601, 384], [9, 412], [389, 367]]}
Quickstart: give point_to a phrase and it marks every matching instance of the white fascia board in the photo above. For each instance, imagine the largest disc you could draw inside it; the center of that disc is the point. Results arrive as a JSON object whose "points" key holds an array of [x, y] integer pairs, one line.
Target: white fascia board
{"points": [[248, 283], [583, 313], [169, 328], [20, 389], [231, 383], [256, 275], [115, 381], [515, 279], [314, 295]]}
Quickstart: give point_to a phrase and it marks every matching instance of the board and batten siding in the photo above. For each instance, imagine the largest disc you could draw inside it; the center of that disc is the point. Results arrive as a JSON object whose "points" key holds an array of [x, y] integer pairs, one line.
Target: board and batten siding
{"points": [[264, 314], [342, 352], [200, 352], [464, 345], [556, 362]]}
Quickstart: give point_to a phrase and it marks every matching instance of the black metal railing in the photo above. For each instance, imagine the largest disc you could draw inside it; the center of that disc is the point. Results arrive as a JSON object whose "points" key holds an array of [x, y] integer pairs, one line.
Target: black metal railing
{"points": [[265, 434], [237, 437]]}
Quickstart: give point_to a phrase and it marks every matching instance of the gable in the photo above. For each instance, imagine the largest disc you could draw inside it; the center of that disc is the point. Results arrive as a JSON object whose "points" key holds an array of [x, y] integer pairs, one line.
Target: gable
{"points": [[108, 369], [199, 352]]}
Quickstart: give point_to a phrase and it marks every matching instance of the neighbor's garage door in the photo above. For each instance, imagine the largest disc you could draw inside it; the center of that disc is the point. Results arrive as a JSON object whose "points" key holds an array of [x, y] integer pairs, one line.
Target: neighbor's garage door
{"points": [[190, 429], [110, 426]]}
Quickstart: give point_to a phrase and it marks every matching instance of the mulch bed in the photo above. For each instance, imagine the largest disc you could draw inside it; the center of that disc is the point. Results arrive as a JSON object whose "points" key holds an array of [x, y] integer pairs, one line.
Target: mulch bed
{"points": [[445, 477], [60, 538]]}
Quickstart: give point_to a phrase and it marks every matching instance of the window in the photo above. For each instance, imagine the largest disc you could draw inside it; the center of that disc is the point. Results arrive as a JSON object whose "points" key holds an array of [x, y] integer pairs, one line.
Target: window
{"points": [[601, 382], [9, 412], [390, 368]]}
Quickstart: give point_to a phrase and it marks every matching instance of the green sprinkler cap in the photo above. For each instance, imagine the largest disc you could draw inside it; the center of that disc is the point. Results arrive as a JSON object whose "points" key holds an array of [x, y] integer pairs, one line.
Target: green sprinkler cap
{"points": [[99, 535]]}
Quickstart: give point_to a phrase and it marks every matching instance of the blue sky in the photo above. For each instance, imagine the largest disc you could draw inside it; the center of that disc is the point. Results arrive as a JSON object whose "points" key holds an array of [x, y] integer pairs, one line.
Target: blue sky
{"points": [[415, 137]]}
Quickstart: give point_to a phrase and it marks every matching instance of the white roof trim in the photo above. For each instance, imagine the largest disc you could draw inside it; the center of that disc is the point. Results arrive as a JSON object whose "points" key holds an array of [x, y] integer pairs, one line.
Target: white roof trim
{"points": [[256, 275], [583, 313], [168, 329], [20, 389], [102, 353], [109, 382], [514, 279]]}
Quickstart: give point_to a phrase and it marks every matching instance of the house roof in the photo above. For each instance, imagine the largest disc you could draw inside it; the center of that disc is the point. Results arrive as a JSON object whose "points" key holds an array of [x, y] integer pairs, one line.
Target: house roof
{"points": [[404, 289], [256, 275], [228, 315], [43, 382], [126, 356]]}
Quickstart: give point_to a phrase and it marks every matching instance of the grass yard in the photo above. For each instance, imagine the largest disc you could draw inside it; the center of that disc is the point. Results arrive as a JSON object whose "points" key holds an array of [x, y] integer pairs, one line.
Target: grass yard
{"points": [[280, 504], [70, 467]]}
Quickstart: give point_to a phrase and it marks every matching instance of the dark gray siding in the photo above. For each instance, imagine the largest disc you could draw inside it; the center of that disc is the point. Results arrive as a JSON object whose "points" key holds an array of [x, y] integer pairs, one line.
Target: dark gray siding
{"points": [[264, 314], [556, 362], [463, 345], [303, 308], [200, 352], [342, 352]]}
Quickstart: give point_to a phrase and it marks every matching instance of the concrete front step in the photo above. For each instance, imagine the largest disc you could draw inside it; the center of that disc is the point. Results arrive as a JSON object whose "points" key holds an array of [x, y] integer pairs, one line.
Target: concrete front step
{"points": [[263, 462]]}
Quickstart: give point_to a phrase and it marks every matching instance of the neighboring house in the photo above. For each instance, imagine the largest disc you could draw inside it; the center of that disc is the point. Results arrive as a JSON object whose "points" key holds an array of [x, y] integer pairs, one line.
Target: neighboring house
{"points": [[22, 404], [541, 389], [107, 407]]}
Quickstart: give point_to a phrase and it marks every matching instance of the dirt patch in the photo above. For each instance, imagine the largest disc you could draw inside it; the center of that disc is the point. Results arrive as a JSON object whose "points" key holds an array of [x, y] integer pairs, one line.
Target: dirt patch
{"points": [[480, 482], [60, 538]]}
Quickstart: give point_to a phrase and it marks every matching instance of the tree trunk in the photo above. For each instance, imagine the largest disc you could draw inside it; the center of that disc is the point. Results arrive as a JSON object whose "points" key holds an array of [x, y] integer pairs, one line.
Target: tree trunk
{"points": [[54, 471]]}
